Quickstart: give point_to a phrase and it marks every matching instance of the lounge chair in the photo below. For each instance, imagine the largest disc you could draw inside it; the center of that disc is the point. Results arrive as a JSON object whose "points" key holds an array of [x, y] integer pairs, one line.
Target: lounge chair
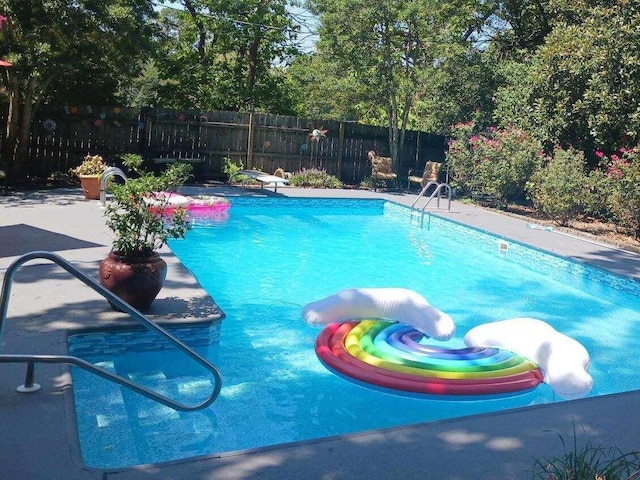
{"points": [[429, 174], [263, 178], [381, 169]]}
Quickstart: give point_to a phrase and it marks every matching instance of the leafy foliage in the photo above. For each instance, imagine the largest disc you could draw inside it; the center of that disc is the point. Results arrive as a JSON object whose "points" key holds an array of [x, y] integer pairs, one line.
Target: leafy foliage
{"points": [[91, 165], [138, 217], [220, 55], [558, 188], [498, 162], [621, 181], [314, 178], [65, 52]]}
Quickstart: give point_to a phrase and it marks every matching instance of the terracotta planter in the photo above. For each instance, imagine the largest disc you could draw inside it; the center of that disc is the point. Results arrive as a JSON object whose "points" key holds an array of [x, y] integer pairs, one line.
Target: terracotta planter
{"points": [[91, 186], [136, 280]]}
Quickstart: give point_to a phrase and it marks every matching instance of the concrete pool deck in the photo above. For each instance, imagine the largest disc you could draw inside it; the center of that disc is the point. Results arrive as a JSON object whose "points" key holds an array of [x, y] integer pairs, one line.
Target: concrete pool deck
{"points": [[39, 436]]}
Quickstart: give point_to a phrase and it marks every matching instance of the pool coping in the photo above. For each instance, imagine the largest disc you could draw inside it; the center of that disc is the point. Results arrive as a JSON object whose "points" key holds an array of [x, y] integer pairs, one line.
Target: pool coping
{"points": [[42, 439]]}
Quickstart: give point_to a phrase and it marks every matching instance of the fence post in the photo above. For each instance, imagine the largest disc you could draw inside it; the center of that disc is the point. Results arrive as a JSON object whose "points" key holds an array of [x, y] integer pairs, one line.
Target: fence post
{"points": [[250, 142], [144, 127], [340, 149]]}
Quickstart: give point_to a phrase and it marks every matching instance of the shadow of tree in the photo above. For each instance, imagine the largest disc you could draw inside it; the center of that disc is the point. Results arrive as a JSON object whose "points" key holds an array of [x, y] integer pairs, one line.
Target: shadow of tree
{"points": [[20, 239]]}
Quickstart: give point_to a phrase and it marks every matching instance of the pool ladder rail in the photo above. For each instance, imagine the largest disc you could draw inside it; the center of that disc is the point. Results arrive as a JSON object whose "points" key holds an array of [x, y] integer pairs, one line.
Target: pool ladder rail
{"points": [[106, 175], [437, 193], [30, 386]]}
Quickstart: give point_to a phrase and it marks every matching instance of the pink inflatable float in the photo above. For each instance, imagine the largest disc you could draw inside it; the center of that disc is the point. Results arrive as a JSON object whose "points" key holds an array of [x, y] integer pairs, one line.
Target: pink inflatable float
{"points": [[196, 205]]}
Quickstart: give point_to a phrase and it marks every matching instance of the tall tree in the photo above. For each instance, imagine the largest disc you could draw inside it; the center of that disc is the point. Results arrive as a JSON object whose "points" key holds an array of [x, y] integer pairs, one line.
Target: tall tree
{"points": [[386, 45], [68, 52], [223, 55]]}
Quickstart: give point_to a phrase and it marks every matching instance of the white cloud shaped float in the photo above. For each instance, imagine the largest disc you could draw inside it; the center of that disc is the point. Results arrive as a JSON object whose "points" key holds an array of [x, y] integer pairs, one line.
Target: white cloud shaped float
{"points": [[563, 360], [395, 304]]}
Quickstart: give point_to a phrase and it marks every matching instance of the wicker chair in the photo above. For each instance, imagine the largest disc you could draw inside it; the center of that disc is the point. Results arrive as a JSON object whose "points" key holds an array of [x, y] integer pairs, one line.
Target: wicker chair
{"points": [[381, 169], [430, 173]]}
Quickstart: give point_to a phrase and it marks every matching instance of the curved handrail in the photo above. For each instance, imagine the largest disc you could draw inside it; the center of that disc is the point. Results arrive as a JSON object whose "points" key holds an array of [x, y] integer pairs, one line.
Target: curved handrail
{"points": [[122, 305], [436, 193], [108, 173]]}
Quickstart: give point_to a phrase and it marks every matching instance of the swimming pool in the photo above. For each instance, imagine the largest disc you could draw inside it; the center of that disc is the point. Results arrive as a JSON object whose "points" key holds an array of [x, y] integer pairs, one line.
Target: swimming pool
{"points": [[271, 257]]}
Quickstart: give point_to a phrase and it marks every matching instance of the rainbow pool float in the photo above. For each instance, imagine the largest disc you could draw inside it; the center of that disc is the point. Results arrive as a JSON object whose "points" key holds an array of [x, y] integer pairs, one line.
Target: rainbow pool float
{"points": [[380, 336], [391, 355]]}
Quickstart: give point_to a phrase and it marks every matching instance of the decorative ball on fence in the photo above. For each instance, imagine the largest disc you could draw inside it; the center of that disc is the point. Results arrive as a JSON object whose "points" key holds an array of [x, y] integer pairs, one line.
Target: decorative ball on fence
{"points": [[49, 125], [318, 134]]}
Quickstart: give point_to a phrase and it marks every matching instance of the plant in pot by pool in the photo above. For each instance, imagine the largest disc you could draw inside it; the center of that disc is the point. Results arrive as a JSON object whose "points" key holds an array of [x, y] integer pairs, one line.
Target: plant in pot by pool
{"points": [[90, 172], [142, 221]]}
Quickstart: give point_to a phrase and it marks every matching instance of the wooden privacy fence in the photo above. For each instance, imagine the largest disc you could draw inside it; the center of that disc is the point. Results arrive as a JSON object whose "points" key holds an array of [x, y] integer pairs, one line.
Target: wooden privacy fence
{"points": [[61, 137]]}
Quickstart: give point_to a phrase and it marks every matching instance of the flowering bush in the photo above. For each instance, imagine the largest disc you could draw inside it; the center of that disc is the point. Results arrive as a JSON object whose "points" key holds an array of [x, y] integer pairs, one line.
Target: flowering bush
{"points": [[621, 177], [498, 162], [91, 165], [558, 188], [314, 178]]}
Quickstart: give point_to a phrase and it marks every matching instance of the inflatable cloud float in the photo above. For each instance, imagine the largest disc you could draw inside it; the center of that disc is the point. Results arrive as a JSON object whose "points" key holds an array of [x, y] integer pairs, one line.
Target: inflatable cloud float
{"points": [[394, 304], [563, 360]]}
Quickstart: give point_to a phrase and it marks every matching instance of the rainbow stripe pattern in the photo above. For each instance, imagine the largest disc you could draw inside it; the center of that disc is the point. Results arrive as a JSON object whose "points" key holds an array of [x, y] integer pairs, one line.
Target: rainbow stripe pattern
{"points": [[390, 355]]}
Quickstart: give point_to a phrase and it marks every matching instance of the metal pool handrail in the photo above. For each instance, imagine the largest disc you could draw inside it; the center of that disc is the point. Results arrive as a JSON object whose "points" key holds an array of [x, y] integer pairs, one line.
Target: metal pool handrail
{"points": [[125, 307], [108, 173]]}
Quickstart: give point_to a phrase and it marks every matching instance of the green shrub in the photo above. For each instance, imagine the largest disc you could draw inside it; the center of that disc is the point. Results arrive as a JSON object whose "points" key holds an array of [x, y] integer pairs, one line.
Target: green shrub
{"points": [[368, 183], [621, 181], [498, 162], [231, 168], [559, 189], [314, 178]]}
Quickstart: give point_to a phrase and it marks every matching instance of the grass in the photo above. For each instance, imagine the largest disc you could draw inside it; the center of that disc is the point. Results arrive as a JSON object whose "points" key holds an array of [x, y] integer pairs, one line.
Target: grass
{"points": [[588, 463]]}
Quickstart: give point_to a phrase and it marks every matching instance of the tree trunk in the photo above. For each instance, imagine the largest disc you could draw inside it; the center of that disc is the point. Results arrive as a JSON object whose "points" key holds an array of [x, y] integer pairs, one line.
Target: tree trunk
{"points": [[21, 111]]}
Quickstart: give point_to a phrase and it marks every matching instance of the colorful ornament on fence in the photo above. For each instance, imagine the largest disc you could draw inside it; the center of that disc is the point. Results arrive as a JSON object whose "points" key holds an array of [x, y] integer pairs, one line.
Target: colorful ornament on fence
{"points": [[66, 109], [89, 109], [103, 116], [74, 109], [98, 122], [49, 125], [303, 147], [318, 134], [266, 144], [140, 125], [116, 110], [182, 117], [116, 123]]}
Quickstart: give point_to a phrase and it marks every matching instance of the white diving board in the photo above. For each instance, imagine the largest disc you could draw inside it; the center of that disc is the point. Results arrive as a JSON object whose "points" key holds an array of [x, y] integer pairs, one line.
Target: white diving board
{"points": [[263, 178]]}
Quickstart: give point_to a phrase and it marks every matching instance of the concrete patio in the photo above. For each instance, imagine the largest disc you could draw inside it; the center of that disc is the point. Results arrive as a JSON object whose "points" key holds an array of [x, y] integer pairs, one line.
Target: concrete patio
{"points": [[39, 434]]}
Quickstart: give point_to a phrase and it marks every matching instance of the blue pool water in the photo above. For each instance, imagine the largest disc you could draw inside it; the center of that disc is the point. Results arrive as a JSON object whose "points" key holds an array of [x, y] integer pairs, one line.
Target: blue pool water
{"points": [[271, 257]]}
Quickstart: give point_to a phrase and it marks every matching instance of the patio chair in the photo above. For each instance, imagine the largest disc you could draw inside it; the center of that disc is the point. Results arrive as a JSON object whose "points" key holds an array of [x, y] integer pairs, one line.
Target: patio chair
{"points": [[430, 173], [381, 169]]}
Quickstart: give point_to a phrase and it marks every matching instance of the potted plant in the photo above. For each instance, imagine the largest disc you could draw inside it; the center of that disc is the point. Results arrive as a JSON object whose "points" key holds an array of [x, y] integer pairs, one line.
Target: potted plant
{"points": [[90, 173], [142, 221]]}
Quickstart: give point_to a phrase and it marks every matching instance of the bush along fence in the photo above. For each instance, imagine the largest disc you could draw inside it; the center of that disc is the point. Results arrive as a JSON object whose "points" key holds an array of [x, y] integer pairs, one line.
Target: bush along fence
{"points": [[62, 136]]}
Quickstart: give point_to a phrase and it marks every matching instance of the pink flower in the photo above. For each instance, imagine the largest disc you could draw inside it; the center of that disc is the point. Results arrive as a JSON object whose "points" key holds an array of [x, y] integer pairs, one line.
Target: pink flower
{"points": [[599, 154]]}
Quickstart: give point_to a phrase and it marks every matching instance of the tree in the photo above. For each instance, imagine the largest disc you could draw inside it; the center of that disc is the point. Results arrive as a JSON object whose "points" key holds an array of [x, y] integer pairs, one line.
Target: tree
{"points": [[223, 55], [385, 46], [68, 52]]}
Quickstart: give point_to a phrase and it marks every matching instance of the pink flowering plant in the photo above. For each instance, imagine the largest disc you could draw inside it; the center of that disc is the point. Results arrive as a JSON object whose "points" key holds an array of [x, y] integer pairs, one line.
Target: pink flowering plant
{"points": [[498, 162], [621, 182]]}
